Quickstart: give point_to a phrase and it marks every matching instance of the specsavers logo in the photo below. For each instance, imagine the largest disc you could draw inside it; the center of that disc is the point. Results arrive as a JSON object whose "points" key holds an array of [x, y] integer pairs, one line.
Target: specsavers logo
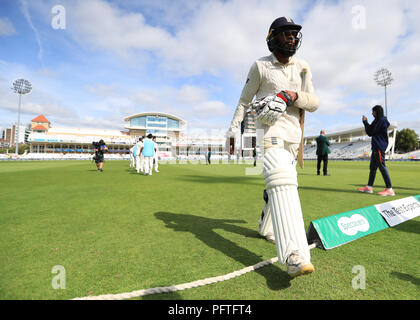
{"points": [[350, 226]]}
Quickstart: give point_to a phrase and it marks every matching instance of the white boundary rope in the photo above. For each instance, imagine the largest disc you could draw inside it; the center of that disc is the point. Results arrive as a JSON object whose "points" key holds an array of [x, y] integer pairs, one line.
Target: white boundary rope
{"points": [[179, 287]]}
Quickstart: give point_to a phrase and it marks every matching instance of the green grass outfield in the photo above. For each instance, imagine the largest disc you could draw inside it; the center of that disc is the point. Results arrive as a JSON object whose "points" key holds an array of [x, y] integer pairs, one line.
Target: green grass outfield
{"points": [[118, 231]]}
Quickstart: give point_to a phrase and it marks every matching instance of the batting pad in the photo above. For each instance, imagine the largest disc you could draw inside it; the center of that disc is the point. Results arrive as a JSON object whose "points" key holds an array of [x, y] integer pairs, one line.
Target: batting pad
{"points": [[265, 227], [284, 204]]}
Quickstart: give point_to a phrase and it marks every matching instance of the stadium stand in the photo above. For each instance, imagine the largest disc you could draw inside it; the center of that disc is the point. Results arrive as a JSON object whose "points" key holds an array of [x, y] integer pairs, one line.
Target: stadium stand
{"points": [[341, 150], [64, 143], [71, 156]]}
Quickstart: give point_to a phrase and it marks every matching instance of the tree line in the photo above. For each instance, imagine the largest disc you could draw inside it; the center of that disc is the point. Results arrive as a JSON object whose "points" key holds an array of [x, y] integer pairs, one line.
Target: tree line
{"points": [[406, 140]]}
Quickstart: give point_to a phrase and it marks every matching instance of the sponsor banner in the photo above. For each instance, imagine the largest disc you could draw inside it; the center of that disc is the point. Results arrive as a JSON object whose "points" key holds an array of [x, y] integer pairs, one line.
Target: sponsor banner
{"points": [[336, 230], [345, 227], [398, 211]]}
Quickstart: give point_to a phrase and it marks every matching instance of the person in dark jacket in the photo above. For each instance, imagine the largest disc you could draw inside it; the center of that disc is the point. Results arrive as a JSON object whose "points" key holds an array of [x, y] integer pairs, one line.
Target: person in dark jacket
{"points": [[378, 130], [322, 152], [99, 148], [254, 155], [208, 156]]}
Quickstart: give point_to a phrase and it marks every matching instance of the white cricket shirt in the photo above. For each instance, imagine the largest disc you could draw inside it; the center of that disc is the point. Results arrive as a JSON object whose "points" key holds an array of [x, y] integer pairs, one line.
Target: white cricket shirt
{"points": [[268, 76]]}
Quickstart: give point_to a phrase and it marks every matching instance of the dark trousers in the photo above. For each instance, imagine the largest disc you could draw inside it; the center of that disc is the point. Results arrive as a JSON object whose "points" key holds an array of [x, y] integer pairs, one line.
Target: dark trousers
{"points": [[377, 160], [318, 165]]}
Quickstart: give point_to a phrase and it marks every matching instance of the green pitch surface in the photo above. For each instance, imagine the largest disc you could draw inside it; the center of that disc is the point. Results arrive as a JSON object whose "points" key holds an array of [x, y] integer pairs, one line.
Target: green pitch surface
{"points": [[119, 231]]}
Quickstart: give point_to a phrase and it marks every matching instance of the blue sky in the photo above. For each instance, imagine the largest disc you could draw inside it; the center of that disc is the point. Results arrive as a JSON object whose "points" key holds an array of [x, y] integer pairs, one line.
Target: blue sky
{"points": [[190, 58]]}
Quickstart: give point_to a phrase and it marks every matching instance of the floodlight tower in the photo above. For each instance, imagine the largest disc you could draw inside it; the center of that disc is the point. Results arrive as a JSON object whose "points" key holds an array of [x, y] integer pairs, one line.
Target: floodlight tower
{"points": [[20, 86], [383, 78]]}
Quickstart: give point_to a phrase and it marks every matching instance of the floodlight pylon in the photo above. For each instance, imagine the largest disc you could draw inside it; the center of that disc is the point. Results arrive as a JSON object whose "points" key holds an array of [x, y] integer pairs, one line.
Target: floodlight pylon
{"points": [[383, 77], [20, 86]]}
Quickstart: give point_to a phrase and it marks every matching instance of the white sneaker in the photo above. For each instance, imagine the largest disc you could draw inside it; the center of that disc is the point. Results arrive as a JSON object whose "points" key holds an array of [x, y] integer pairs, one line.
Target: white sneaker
{"points": [[387, 192], [297, 266], [365, 189]]}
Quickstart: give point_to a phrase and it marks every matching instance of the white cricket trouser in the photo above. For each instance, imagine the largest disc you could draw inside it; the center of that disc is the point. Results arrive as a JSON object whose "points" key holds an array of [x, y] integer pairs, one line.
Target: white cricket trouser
{"points": [[138, 163], [131, 160], [156, 162], [141, 163], [280, 175], [148, 165]]}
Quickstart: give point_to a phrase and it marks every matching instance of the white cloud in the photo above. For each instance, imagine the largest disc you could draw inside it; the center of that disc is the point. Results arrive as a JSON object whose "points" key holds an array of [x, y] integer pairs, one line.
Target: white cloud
{"points": [[41, 100], [210, 109], [6, 27], [219, 36], [104, 26], [101, 90], [331, 101], [171, 45], [191, 95], [189, 102]]}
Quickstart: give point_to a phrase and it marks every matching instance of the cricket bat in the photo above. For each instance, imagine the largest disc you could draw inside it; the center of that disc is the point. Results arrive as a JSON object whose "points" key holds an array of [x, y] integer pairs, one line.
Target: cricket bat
{"points": [[303, 75]]}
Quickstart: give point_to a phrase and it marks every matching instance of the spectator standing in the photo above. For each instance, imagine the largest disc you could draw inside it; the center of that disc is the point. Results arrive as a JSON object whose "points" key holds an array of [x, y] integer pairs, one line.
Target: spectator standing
{"points": [[322, 152], [378, 130]]}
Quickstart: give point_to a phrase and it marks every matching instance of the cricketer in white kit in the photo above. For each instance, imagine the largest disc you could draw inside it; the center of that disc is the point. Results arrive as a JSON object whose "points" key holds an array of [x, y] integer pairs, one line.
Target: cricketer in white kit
{"points": [[139, 156], [132, 158], [282, 86], [148, 151], [156, 156]]}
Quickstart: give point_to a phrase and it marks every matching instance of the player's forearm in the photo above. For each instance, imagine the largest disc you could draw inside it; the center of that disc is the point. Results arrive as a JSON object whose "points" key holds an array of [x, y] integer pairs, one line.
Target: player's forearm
{"points": [[307, 101], [248, 92], [238, 117]]}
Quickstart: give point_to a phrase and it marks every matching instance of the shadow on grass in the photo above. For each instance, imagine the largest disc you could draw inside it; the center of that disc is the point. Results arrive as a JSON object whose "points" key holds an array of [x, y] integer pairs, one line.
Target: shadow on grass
{"points": [[355, 190], [406, 277], [326, 189], [409, 226], [256, 180], [163, 296], [203, 228], [380, 187]]}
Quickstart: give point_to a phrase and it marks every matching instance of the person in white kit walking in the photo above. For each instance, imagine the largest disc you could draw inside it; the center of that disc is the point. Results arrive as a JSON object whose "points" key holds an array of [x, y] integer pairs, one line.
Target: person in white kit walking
{"points": [[156, 156], [282, 86], [132, 157], [138, 155], [148, 151]]}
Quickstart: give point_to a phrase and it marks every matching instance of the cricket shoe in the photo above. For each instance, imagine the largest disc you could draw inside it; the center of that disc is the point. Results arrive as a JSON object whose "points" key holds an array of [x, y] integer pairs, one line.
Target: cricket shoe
{"points": [[387, 192], [297, 266], [365, 189]]}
